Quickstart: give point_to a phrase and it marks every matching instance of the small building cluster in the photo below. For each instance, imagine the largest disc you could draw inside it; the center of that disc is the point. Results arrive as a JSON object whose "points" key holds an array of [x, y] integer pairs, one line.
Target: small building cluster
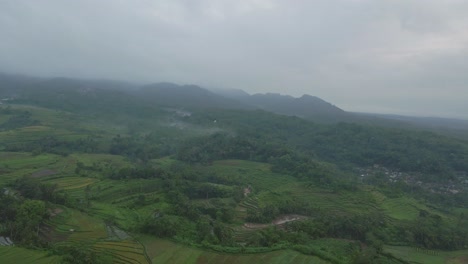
{"points": [[454, 186]]}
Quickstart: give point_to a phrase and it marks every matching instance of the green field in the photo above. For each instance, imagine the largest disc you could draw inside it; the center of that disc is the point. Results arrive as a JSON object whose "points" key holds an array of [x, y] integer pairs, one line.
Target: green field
{"points": [[269, 188], [17, 255], [162, 251], [424, 256], [18, 164], [123, 251], [74, 226], [112, 199], [72, 183], [405, 208]]}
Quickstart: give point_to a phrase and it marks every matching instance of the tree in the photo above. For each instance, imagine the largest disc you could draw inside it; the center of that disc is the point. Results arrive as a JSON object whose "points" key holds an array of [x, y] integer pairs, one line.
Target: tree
{"points": [[28, 219]]}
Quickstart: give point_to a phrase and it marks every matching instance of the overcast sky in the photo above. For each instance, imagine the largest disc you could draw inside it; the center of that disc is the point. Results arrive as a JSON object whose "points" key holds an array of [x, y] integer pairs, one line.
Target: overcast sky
{"points": [[390, 56]]}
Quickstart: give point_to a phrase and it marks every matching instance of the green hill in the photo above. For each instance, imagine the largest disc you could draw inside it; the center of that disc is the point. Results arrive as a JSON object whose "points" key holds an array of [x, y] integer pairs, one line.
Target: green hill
{"points": [[89, 172]]}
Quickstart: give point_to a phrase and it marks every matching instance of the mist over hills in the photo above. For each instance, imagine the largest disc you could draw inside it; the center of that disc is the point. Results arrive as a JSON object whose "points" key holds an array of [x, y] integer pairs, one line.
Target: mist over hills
{"points": [[162, 153], [191, 96], [306, 106], [257, 131], [164, 94], [69, 93]]}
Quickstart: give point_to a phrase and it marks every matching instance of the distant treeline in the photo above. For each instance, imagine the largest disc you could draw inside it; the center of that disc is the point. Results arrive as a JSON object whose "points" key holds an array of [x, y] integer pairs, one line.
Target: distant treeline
{"points": [[341, 144]]}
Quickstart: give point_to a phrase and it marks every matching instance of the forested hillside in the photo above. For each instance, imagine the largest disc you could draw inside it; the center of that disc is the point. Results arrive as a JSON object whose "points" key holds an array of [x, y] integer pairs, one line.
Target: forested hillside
{"points": [[107, 172]]}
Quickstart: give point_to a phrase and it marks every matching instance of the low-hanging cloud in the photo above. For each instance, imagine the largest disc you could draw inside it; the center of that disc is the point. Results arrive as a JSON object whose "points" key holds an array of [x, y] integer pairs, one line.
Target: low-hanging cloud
{"points": [[400, 56]]}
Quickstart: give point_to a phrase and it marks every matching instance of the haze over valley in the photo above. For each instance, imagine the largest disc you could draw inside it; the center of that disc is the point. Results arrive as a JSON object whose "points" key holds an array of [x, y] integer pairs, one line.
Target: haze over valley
{"points": [[254, 131], [392, 57]]}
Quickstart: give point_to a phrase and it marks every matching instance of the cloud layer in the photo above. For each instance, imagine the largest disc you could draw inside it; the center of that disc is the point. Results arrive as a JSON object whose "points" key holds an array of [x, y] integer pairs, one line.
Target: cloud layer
{"points": [[395, 56]]}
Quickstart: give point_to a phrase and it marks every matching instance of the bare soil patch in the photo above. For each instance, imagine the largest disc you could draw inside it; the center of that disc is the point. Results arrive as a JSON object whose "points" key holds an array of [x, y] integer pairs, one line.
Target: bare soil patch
{"points": [[43, 173], [279, 221], [55, 212], [459, 260], [287, 218]]}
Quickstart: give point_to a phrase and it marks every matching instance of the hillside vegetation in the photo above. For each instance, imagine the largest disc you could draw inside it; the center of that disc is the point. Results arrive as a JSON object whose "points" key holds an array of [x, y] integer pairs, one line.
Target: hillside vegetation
{"points": [[93, 174]]}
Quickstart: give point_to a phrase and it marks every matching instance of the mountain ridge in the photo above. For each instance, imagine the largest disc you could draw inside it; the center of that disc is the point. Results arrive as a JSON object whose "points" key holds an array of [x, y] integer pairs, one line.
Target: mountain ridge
{"points": [[66, 93]]}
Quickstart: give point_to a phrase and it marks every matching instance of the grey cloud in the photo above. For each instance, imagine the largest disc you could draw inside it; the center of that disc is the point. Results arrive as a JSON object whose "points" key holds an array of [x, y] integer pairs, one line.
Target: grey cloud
{"points": [[391, 55]]}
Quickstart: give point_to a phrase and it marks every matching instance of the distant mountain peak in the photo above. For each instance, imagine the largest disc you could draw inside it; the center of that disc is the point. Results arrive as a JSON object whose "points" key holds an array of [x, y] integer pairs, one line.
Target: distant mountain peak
{"points": [[231, 93], [190, 95], [306, 106], [308, 96]]}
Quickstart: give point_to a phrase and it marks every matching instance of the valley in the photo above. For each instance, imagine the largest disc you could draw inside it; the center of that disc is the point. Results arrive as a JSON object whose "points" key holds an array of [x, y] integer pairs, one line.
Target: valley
{"points": [[97, 176]]}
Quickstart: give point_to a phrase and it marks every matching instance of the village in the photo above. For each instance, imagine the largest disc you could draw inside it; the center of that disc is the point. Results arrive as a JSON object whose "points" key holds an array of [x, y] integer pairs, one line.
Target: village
{"points": [[377, 173]]}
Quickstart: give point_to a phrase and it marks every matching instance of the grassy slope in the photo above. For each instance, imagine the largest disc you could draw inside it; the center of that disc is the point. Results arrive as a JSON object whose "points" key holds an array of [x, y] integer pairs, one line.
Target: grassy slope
{"points": [[163, 251], [19, 255], [424, 256], [114, 197], [268, 187], [15, 164]]}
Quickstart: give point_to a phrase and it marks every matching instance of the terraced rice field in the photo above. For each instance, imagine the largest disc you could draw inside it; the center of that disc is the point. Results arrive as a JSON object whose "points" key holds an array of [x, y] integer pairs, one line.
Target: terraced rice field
{"points": [[89, 159], [16, 165], [162, 251], [268, 188], [20, 161], [256, 174], [249, 203], [241, 234], [18, 255], [74, 227], [34, 133], [74, 186], [424, 256], [91, 229], [74, 124], [405, 208], [126, 251], [337, 202], [72, 183], [125, 217], [83, 226]]}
